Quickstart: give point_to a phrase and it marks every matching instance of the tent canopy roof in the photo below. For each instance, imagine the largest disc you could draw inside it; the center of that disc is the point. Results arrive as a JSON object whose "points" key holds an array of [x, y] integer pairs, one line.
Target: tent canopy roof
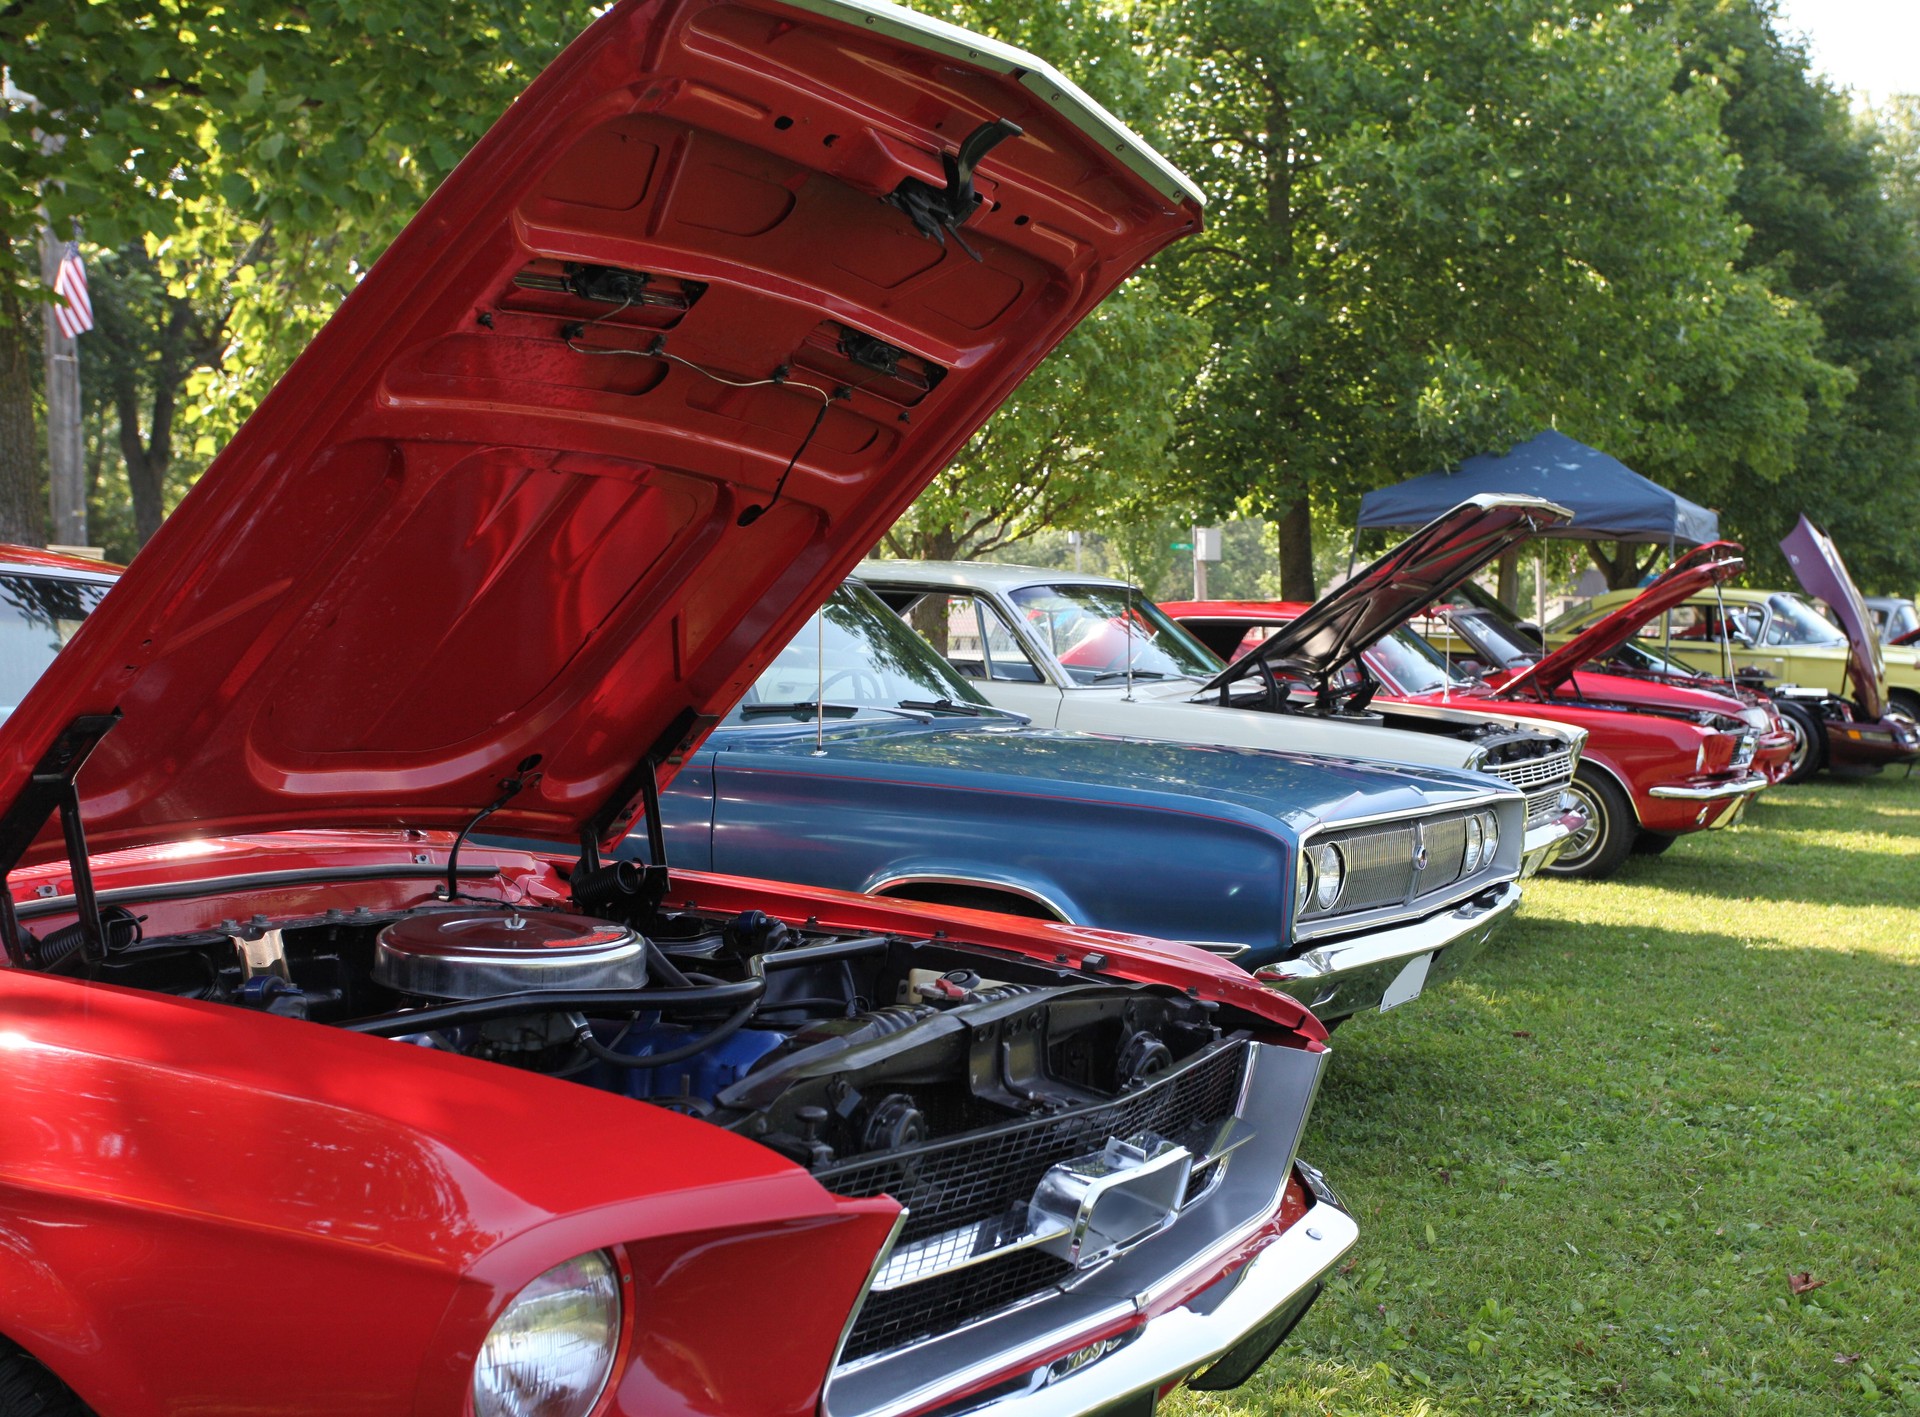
{"points": [[1609, 500]]}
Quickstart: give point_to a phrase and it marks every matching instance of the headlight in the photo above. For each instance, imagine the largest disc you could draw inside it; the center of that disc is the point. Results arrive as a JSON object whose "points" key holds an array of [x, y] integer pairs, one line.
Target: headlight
{"points": [[1472, 861], [1302, 885], [551, 1353], [1757, 718], [1489, 837], [1330, 874]]}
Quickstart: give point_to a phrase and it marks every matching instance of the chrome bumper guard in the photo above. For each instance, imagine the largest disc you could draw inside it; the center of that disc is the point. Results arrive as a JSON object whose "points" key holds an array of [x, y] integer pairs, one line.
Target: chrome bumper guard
{"points": [[1544, 844], [1347, 976], [1069, 1352]]}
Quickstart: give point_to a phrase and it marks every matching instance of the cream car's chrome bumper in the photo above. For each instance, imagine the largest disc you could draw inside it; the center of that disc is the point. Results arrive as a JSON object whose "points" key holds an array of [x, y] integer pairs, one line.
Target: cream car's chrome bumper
{"points": [[1386, 967], [1544, 844]]}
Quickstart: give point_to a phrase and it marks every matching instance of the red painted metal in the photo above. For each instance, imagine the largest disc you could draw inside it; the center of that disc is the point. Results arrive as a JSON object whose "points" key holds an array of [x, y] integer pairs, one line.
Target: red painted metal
{"points": [[280, 658]]}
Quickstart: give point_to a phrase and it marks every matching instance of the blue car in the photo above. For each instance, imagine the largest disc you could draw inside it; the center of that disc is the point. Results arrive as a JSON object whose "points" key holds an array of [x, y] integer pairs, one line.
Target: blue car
{"points": [[860, 760]]}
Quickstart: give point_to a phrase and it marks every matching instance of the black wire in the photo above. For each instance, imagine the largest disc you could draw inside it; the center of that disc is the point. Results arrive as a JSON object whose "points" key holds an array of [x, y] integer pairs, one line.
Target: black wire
{"points": [[756, 511]]}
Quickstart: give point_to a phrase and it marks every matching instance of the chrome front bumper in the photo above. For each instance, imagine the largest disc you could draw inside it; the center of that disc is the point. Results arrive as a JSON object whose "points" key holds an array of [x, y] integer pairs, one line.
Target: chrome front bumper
{"points": [[1376, 970], [1125, 1329], [1218, 1338], [1544, 844], [1710, 791]]}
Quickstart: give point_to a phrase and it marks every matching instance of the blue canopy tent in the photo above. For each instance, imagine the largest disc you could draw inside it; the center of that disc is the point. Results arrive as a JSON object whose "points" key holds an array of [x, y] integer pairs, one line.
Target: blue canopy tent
{"points": [[1609, 500]]}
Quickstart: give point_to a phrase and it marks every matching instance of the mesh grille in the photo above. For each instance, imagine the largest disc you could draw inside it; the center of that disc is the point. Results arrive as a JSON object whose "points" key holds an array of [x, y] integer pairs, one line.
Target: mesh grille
{"points": [[945, 1185], [1555, 770], [1446, 851], [1379, 867]]}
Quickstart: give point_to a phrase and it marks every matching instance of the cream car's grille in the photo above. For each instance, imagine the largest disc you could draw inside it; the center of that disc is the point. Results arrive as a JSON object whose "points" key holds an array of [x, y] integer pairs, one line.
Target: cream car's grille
{"points": [[1543, 805], [1530, 774]]}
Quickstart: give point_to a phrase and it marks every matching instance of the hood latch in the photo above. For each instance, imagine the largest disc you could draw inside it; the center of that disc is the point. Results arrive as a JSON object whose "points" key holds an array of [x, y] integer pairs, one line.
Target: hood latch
{"points": [[936, 211]]}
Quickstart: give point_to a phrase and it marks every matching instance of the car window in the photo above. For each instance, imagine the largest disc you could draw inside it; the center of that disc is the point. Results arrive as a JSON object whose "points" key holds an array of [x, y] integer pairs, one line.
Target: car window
{"points": [[1794, 622], [1412, 665], [38, 615], [1900, 620], [855, 651], [1099, 633], [974, 638]]}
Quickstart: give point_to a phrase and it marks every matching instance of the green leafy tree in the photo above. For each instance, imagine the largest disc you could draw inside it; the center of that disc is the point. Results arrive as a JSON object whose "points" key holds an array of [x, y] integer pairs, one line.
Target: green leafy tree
{"points": [[1831, 202], [1438, 228], [262, 153]]}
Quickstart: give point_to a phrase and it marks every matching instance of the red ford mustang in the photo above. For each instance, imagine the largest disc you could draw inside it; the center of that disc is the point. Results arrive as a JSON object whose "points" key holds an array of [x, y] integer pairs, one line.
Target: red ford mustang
{"points": [[1660, 760], [305, 1108]]}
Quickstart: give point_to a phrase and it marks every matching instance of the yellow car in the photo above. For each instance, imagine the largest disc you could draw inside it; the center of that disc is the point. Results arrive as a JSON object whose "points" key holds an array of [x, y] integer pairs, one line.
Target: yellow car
{"points": [[1773, 632]]}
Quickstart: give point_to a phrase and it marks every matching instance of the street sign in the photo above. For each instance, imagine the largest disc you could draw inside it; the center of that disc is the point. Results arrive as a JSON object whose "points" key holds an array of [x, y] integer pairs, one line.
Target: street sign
{"points": [[1179, 546]]}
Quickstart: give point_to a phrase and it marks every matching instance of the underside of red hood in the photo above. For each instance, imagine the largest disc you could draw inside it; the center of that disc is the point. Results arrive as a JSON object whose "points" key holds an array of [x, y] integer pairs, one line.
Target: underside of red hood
{"points": [[1700, 568], [1823, 574], [1334, 631], [500, 518]]}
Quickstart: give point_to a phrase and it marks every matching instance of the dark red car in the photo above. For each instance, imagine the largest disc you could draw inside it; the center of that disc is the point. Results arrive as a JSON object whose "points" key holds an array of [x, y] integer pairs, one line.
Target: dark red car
{"points": [[304, 1108]]}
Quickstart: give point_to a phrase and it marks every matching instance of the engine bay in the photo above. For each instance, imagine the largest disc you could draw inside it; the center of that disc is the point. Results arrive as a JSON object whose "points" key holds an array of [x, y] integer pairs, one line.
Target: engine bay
{"points": [[823, 1046]]}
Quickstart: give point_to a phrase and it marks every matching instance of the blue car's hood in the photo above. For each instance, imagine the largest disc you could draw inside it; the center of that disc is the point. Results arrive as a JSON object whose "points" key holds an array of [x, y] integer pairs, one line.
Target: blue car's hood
{"points": [[1291, 787]]}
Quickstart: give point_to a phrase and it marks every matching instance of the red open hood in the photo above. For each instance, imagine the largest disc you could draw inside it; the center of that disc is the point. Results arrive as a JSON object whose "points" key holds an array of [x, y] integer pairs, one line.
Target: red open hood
{"points": [[1816, 564], [503, 506], [1336, 628], [1692, 573]]}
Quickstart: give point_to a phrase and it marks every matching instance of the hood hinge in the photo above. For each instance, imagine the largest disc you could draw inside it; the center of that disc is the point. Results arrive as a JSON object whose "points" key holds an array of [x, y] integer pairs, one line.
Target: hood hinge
{"points": [[52, 787]]}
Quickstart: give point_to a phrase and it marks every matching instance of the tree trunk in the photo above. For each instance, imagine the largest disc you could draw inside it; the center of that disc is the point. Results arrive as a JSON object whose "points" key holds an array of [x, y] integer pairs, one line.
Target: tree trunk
{"points": [[1622, 569], [1296, 551], [22, 503], [1508, 587], [147, 462]]}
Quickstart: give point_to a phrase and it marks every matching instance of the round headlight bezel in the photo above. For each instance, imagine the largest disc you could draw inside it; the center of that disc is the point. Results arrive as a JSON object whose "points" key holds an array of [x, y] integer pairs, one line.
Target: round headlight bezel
{"points": [[579, 1296], [1489, 837], [1302, 883], [1470, 860], [1329, 875]]}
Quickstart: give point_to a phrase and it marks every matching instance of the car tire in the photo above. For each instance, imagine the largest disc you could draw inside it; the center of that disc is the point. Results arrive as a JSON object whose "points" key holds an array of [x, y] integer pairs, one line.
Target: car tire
{"points": [[1809, 740], [1652, 843], [27, 1389], [1599, 851]]}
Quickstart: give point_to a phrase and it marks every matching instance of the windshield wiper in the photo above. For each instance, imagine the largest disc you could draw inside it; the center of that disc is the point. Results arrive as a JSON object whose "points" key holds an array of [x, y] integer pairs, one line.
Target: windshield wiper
{"points": [[808, 708], [958, 709], [1137, 674]]}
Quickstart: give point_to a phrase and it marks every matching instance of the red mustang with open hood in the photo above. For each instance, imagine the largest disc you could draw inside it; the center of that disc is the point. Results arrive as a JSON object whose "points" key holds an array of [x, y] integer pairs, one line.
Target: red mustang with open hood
{"points": [[1650, 771], [496, 1132]]}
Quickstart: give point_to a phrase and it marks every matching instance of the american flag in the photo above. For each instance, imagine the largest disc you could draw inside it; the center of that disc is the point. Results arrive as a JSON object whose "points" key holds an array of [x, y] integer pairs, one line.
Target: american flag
{"points": [[70, 283]]}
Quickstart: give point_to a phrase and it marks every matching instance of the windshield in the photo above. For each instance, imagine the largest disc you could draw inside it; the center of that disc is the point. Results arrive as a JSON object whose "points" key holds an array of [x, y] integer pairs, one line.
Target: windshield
{"points": [[1412, 665], [1795, 622], [38, 615], [1504, 644], [1639, 657], [1902, 619], [1093, 631], [855, 651]]}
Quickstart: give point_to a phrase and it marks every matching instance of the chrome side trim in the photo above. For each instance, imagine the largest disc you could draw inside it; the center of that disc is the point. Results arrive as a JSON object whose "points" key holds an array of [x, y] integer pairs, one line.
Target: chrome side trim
{"points": [[880, 1258]]}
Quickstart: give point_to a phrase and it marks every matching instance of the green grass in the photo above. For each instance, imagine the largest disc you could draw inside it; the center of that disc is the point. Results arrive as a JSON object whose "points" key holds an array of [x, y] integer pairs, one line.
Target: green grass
{"points": [[1584, 1173]]}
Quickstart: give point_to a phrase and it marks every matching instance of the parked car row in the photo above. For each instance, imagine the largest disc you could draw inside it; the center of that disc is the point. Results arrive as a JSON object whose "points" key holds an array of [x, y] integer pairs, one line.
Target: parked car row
{"points": [[491, 886]]}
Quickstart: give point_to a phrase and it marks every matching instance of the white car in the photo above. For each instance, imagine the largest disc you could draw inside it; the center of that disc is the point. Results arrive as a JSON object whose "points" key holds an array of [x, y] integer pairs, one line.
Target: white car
{"points": [[1055, 646]]}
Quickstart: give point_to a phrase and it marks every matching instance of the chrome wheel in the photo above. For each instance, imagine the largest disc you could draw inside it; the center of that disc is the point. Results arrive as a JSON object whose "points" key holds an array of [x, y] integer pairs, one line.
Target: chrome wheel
{"points": [[1583, 843], [1802, 748]]}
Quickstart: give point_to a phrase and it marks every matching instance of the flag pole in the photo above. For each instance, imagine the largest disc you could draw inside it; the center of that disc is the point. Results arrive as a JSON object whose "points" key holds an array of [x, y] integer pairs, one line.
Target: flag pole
{"points": [[66, 480]]}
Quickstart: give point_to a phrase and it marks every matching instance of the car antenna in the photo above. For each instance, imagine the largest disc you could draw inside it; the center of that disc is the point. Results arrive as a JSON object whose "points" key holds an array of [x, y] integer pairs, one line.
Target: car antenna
{"points": [[820, 682], [1127, 625]]}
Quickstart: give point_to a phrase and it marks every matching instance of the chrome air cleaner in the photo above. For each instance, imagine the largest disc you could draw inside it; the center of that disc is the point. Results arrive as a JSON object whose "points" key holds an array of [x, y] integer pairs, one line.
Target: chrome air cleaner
{"points": [[477, 954]]}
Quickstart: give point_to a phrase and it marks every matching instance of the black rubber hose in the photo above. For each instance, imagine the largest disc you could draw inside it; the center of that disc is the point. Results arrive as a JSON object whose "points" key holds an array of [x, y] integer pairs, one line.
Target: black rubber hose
{"points": [[705, 1041], [557, 1001]]}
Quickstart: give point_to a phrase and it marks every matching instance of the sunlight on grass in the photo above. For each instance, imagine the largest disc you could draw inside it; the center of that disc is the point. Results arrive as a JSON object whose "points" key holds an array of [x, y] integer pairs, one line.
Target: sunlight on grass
{"points": [[1585, 1172]]}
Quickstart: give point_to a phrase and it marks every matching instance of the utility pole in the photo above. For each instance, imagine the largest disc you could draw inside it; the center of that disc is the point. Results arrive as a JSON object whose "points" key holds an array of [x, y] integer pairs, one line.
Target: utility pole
{"points": [[66, 482]]}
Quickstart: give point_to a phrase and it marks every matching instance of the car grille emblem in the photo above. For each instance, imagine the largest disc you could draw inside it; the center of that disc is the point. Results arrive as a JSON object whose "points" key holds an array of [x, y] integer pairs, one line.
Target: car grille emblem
{"points": [[1420, 847]]}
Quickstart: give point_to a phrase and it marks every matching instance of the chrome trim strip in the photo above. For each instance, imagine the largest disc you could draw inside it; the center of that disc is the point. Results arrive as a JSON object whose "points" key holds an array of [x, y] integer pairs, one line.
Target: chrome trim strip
{"points": [[1388, 946], [1716, 792], [880, 1258]]}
